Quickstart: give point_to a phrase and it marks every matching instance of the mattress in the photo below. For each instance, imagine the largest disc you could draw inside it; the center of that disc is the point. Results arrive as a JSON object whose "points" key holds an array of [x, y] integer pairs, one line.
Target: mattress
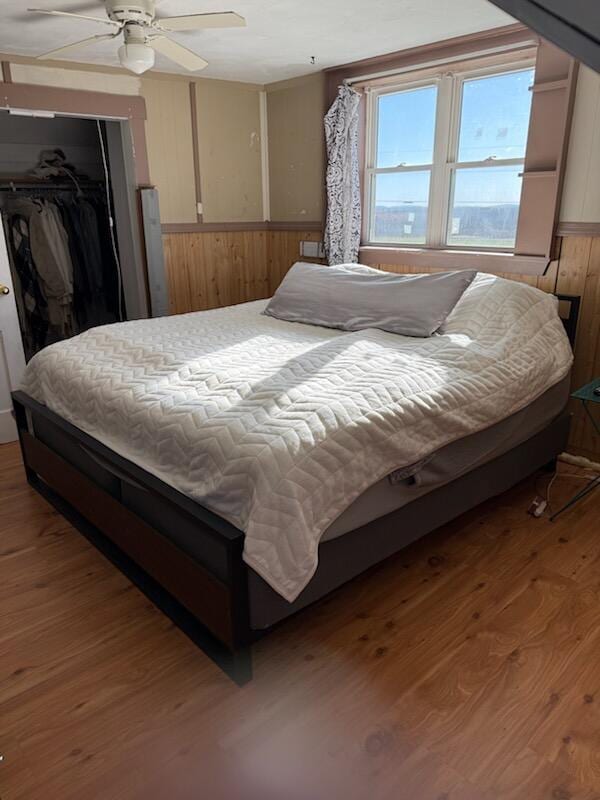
{"points": [[343, 558], [279, 427], [452, 461]]}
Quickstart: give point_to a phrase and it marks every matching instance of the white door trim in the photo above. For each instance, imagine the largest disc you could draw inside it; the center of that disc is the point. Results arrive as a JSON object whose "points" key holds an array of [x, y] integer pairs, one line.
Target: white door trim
{"points": [[12, 357]]}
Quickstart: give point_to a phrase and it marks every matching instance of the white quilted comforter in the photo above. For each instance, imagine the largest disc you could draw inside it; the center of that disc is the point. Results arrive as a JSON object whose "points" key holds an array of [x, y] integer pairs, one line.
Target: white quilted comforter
{"points": [[278, 426]]}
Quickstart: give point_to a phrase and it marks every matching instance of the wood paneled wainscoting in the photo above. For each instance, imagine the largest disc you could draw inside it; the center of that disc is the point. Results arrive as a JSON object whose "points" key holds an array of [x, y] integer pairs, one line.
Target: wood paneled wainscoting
{"points": [[208, 270], [213, 269]]}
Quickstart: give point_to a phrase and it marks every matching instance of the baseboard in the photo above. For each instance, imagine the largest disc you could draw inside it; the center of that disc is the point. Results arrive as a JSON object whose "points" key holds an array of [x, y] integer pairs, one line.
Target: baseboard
{"points": [[8, 428]]}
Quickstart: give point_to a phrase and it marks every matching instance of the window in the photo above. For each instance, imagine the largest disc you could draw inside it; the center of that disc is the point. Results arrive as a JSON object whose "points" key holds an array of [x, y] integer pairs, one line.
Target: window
{"points": [[445, 159]]}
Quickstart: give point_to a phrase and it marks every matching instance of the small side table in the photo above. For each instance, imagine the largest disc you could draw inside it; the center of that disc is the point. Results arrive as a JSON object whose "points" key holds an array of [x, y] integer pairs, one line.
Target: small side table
{"points": [[587, 397]]}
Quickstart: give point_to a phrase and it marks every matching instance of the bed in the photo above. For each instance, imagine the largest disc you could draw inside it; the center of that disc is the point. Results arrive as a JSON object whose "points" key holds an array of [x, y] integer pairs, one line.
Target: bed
{"points": [[239, 468]]}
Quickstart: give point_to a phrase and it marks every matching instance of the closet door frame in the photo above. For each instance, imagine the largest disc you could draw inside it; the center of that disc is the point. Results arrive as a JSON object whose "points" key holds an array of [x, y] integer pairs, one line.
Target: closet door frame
{"points": [[12, 356], [128, 153]]}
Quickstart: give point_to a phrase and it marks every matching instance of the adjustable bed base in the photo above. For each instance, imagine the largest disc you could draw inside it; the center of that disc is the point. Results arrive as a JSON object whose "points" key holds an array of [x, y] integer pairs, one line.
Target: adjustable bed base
{"points": [[198, 577]]}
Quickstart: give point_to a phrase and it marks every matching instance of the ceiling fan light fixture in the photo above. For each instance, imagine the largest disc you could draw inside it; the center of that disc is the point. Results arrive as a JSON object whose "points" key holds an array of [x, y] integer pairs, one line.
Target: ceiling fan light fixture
{"points": [[144, 33], [136, 57]]}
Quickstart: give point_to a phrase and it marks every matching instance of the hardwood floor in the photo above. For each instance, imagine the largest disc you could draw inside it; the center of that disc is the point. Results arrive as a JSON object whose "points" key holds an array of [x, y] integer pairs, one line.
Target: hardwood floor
{"points": [[465, 668]]}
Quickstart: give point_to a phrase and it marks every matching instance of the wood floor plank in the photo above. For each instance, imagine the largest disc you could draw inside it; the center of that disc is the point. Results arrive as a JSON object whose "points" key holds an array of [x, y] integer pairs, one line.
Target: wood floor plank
{"points": [[464, 668], [569, 736]]}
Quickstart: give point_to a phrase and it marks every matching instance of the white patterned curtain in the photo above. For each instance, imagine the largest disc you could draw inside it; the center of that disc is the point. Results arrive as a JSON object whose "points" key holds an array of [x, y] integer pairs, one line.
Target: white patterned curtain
{"points": [[342, 226]]}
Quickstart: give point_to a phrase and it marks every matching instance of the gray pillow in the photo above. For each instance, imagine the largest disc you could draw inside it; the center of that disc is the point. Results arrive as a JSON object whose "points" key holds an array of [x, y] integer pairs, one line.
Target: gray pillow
{"points": [[353, 297]]}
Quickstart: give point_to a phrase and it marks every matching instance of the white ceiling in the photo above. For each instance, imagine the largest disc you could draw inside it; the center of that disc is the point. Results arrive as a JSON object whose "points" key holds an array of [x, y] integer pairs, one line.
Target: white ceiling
{"points": [[279, 41]]}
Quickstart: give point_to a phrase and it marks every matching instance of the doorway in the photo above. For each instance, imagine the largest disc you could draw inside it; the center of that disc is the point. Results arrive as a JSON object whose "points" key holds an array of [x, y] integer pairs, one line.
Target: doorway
{"points": [[80, 173]]}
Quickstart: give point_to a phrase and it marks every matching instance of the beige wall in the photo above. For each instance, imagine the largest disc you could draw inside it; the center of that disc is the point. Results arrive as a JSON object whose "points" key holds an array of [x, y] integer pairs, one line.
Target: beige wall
{"points": [[171, 148], [82, 79], [296, 148], [233, 179], [229, 146], [229, 137], [581, 192]]}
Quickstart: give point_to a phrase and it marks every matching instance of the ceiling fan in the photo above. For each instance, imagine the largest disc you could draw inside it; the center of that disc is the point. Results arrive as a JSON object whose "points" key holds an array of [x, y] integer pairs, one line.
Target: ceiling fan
{"points": [[145, 33]]}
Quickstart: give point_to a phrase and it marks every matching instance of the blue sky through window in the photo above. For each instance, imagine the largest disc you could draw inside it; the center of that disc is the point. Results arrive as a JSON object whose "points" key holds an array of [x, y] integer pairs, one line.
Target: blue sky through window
{"points": [[406, 127], [485, 186], [495, 116], [494, 122]]}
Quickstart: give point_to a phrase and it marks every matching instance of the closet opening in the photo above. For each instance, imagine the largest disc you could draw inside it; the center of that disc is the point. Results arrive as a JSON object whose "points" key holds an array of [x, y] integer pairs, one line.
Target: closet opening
{"points": [[67, 211]]}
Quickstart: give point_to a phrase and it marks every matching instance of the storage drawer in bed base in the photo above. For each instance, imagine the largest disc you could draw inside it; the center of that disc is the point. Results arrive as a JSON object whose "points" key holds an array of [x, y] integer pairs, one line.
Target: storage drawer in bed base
{"points": [[198, 590]]}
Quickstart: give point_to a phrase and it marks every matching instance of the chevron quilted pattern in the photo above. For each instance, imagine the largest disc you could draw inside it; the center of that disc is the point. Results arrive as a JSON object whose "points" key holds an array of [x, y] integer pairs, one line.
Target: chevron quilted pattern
{"points": [[279, 426]]}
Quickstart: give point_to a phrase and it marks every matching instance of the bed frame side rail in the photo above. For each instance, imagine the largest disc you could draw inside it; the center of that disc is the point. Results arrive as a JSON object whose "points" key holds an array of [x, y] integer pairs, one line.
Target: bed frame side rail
{"points": [[155, 563]]}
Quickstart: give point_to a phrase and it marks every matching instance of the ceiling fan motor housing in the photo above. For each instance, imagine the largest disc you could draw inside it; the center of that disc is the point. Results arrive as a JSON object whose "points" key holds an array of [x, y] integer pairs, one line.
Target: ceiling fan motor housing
{"points": [[144, 34], [141, 12], [135, 33]]}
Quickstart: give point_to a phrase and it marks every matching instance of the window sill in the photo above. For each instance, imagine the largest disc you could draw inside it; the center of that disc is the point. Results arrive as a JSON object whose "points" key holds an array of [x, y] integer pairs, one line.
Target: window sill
{"points": [[484, 261]]}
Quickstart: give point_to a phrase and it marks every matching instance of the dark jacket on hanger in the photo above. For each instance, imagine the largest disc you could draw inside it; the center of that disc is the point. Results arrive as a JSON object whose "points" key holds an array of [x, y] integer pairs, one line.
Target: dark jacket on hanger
{"points": [[50, 250], [33, 308]]}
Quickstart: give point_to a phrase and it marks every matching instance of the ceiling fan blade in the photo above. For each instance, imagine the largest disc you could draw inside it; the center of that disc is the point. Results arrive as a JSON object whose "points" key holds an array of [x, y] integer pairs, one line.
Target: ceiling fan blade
{"points": [[104, 21], [61, 51], [191, 22], [178, 53], [83, 7]]}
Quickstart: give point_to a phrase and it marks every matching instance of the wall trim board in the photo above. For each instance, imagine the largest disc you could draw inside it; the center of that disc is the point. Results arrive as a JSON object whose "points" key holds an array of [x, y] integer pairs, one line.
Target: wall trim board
{"points": [[264, 155], [213, 227], [73, 101], [218, 227], [78, 103], [578, 229], [195, 153], [296, 226], [6, 73], [455, 259]]}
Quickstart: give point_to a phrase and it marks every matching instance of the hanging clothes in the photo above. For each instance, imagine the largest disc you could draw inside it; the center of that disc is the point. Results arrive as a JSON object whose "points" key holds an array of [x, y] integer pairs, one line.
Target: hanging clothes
{"points": [[110, 269], [50, 249], [80, 220], [62, 260], [31, 303], [82, 289], [95, 271]]}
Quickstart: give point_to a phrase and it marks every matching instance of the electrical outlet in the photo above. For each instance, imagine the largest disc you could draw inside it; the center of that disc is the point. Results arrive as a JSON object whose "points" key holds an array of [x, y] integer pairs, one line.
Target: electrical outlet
{"points": [[312, 250], [309, 249]]}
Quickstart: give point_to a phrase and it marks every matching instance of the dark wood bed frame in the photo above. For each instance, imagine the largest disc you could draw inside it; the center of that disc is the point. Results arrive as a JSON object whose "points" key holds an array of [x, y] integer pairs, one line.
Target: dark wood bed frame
{"points": [[210, 606]]}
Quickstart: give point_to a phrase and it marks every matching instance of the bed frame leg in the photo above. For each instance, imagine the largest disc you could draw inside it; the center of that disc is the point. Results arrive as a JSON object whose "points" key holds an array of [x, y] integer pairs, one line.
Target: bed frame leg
{"points": [[551, 466], [20, 415], [240, 668]]}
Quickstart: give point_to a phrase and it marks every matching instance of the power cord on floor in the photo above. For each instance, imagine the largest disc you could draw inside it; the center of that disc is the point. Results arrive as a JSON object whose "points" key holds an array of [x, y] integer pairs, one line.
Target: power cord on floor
{"points": [[541, 505]]}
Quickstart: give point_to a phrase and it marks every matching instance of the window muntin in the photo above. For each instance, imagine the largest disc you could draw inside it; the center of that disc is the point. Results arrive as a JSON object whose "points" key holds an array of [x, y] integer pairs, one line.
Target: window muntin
{"points": [[471, 149]]}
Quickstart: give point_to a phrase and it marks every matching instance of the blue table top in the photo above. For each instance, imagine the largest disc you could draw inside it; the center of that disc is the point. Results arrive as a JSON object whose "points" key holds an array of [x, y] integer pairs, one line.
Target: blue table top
{"points": [[587, 392]]}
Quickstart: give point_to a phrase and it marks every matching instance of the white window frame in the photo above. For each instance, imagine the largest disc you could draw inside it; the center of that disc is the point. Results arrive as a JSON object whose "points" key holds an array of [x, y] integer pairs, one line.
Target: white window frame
{"points": [[445, 152]]}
